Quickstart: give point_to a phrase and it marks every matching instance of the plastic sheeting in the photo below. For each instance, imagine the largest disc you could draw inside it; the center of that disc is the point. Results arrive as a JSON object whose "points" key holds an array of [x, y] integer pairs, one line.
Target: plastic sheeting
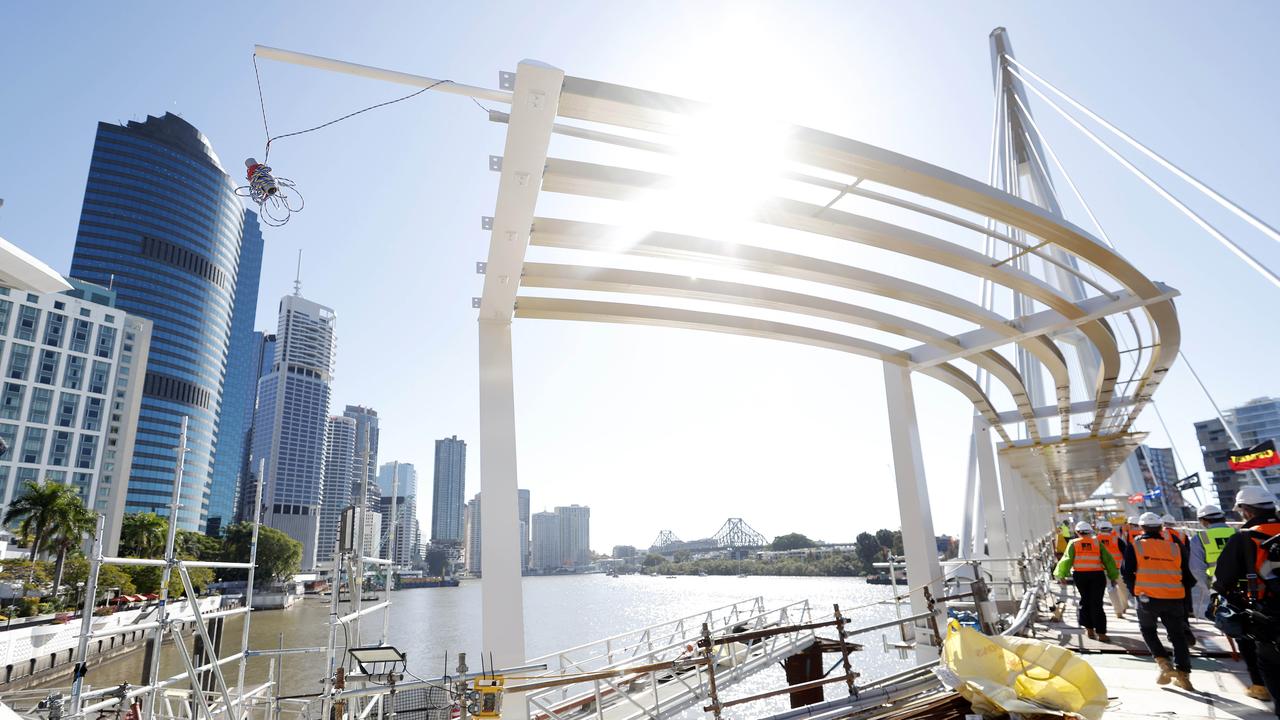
{"points": [[1019, 675]]}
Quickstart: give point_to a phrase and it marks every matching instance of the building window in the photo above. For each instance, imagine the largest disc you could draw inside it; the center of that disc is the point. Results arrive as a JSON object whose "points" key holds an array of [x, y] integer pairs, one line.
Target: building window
{"points": [[9, 434], [84, 312], [73, 377], [11, 401], [4, 481], [32, 445], [24, 476], [67, 405], [106, 341], [54, 328], [47, 370], [80, 336], [88, 449], [98, 378], [19, 361], [5, 308], [28, 318], [82, 483], [60, 448], [59, 305], [93, 414], [41, 402]]}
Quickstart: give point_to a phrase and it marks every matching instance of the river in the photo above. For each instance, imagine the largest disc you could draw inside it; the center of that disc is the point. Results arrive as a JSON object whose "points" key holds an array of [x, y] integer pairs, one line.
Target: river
{"points": [[560, 612]]}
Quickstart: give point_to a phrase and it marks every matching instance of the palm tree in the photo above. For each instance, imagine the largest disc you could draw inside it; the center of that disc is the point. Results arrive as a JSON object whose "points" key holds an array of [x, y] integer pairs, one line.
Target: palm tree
{"points": [[143, 535], [37, 511], [74, 521]]}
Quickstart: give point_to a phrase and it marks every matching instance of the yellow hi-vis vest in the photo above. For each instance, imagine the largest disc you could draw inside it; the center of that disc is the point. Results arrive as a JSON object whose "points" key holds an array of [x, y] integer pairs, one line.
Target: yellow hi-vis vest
{"points": [[1214, 540]]}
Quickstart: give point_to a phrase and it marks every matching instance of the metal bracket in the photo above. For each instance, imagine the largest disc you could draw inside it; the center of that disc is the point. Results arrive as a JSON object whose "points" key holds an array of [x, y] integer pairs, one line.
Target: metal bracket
{"points": [[486, 222], [481, 267], [475, 303], [495, 163], [506, 80]]}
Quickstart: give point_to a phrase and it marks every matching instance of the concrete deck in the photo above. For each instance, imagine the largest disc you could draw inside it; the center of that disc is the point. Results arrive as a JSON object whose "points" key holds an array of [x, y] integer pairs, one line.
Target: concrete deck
{"points": [[1125, 665]]}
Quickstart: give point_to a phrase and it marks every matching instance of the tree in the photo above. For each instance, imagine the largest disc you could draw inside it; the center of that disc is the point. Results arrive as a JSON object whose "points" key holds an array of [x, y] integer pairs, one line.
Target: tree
{"points": [[791, 541], [197, 546], [73, 522], [146, 579], [653, 560], [279, 556], [143, 535], [109, 576], [885, 538], [868, 549], [682, 556], [38, 511]]}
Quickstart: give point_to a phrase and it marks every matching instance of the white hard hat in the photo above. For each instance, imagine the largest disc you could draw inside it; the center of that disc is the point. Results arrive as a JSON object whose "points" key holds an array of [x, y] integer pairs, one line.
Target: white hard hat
{"points": [[1255, 496], [1083, 527], [1104, 525], [1133, 520], [1209, 511], [1149, 519], [1167, 519]]}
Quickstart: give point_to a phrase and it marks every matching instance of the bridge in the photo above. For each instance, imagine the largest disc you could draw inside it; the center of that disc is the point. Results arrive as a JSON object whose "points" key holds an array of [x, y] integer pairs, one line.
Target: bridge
{"points": [[734, 535]]}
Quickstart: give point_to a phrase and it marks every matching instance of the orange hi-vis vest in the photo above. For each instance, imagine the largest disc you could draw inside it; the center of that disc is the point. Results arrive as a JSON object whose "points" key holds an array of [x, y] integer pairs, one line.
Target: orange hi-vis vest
{"points": [[1259, 534], [1111, 542], [1088, 555], [1132, 533], [1159, 573], [1176, 534]]}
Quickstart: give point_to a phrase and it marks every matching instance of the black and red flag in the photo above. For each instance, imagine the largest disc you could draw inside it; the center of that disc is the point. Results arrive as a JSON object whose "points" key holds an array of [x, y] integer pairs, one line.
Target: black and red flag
{"points": [[1254, 458]]}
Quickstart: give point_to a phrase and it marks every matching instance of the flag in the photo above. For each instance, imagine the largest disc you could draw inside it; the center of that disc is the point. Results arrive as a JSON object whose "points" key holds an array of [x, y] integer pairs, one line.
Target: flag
{"points": [[1190, 481], [1253, 458], [1135, 498]]}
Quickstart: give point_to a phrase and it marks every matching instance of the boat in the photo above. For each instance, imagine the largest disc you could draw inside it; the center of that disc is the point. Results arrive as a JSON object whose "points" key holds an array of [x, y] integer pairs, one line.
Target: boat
{"points": [[411, 582]]}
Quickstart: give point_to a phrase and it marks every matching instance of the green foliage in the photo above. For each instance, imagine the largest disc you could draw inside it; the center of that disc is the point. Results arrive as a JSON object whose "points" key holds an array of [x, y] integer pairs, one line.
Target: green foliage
{"points": [[48, 513], [146, 579], [143, 535], [198, 546], [791, 541], [279, 556], [29, 607], [683, 556], [20, 571], [653, 560], [109, 576]]}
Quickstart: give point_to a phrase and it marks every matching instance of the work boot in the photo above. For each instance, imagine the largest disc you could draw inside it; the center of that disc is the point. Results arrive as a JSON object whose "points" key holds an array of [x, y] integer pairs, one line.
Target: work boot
{"points": [[1191, 638], [1166, 671], [1182, 679], [1102, 638], [1092, 635], [1258, 692]]}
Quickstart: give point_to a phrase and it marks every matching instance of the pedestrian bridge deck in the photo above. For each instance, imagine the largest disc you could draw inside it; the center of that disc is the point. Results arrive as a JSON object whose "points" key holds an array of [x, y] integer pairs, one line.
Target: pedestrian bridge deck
{"points": [[1129, 672]]}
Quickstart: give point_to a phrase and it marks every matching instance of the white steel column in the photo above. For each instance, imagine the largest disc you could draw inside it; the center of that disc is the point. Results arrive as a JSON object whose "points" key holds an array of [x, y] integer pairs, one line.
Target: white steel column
{"points": [[1011, 493], [992, 512], [918, 538], [971, 537], [534, 103]]}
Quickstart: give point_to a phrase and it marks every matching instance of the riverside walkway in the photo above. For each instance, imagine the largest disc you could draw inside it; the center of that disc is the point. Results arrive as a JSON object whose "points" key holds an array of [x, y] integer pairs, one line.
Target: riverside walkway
{"points": [[1126, 666]]}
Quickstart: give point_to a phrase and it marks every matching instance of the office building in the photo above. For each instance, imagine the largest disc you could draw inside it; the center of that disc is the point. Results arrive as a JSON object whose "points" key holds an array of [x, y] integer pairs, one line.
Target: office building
{"points": [[575, 535], [1159, 472], [523, 506], [240, 389], [624, 552], [263, 355], [71, 395], [162, 227], [471, 547], [1256, 421], [447, 491], [545, 548], [365, 468], [400, 481], [292, 419], [339, 465]]}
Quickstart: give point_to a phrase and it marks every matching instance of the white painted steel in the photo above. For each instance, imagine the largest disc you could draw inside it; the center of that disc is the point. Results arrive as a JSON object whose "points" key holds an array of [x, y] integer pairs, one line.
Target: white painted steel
{"points": [[923, 569], [22, 271], [989, 488]]}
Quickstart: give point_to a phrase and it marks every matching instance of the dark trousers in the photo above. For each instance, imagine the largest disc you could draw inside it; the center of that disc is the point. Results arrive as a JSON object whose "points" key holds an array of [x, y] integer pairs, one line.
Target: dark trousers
{"points": [[1092, 587], [1171, 614], [1269, 666], [1249, 651]]}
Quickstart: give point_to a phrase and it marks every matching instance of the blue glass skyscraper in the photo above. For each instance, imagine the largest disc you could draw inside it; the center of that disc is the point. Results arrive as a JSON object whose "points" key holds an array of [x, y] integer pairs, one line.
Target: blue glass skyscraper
{"points": [[162, 226], [241, 385]]}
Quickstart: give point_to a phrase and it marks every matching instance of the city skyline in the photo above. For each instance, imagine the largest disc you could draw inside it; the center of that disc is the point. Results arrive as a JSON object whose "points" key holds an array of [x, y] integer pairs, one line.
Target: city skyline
{"points": [[570, 378]]}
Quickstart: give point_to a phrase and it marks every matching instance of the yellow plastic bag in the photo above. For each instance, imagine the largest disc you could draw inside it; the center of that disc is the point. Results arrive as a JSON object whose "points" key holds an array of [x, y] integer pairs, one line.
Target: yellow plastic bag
{"points": [[1009, 674]]}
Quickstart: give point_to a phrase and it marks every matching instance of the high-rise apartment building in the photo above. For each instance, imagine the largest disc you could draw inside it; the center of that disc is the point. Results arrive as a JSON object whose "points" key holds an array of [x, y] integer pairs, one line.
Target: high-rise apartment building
{"points": [[263, 355], [525, 525], [575, 535], [471, 548], [447, 491], [339, 464], [240, 389], [400, 481], [1256, 421], [292, 419], [545, 549], [70, 395], [366, 466], [162, 227], [1159, 471]]}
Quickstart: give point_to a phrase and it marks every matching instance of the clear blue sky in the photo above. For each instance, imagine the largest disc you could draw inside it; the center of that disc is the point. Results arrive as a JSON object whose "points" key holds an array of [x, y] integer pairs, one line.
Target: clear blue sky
{"points": [[656, 428]]}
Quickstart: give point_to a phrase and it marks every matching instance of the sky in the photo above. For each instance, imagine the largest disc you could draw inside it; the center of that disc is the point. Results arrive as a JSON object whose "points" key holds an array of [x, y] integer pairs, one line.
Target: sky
{"points": [[659, 428]]}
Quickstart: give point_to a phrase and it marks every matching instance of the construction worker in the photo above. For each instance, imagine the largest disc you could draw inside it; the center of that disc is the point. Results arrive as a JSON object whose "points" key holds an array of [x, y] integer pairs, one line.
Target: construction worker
{"points": [[1111, 540], [1132, 529], [1158, 576], [1089, 565], [1245, 575], [1170, 527], [1062, 537], [1206, 548]]}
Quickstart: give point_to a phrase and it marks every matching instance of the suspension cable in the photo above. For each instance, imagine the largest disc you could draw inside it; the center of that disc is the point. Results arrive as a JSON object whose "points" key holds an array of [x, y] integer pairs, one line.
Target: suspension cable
{"points": [[1166, 164], [1181, 206], [1231, 432]]}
